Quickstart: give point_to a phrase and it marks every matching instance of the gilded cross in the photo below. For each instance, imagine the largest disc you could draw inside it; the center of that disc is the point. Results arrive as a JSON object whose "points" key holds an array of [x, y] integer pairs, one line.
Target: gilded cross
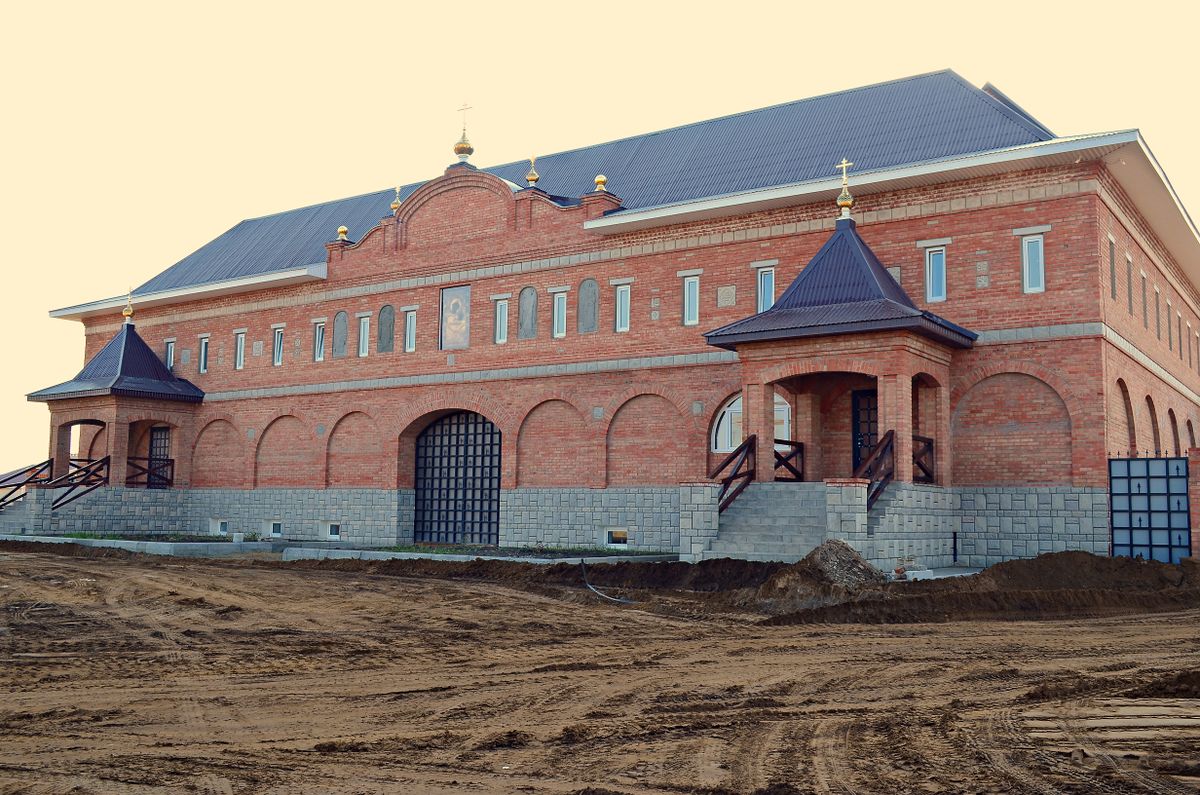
{"points": [[465, 107], [844, 165]]}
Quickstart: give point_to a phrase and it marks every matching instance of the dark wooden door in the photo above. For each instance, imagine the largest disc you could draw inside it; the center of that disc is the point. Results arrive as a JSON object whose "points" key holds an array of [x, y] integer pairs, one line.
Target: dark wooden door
{"points": [[158, 475], [864, 423], [458, 481]]}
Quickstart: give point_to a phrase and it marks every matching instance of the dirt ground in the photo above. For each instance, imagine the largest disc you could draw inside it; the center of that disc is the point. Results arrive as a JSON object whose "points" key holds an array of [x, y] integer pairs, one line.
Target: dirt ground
{"points": [[124, 674]]}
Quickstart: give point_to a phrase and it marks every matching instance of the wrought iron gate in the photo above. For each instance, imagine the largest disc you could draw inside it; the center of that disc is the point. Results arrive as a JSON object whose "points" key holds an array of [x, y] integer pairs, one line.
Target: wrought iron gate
{"points": [[864, 423], [458, 481], [1148, 500]]}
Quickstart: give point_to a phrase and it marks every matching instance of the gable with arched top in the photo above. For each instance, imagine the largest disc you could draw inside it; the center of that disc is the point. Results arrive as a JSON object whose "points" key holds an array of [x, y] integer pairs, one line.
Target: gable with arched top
{"points": [[437, 213], [418, 415]]}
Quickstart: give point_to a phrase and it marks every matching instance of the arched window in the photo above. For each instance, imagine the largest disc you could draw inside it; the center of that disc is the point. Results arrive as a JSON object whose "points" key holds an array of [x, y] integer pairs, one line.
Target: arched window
{"points": [[1191, 432], [340, 330], [589, 306], [527, 314], [387, 329], [727, 429]]}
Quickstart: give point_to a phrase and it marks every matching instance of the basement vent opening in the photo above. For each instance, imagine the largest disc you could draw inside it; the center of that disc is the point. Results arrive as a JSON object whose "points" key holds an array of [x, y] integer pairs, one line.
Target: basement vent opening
{"points": [[618, 538]]}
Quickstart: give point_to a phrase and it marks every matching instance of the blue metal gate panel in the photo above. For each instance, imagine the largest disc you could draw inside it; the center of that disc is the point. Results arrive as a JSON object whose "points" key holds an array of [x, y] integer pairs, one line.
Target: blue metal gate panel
{"points": [[1150, 515]]}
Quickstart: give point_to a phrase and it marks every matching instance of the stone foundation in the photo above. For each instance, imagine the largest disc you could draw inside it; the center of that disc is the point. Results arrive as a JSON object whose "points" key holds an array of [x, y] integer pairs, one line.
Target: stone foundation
{"points": [[573, 517]]}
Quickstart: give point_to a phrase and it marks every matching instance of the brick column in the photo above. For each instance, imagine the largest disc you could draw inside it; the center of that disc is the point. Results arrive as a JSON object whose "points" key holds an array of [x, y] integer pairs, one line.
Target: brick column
{"points": [[808, 430], [118, 452], [60, 449], [941, 436], [758, 418], [895, 414]]}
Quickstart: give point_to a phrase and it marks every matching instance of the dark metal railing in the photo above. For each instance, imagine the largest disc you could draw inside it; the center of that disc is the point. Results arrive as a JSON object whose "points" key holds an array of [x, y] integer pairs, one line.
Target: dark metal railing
{"points": [[789, 464], [924, 468], [879, 467], [13, 484], [84, 478], [150, 473], [740, 464]]}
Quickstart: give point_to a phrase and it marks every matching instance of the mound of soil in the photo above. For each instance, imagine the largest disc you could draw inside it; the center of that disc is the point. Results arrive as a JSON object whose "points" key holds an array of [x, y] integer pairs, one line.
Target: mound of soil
{"points": [[70, 550], [1055, 585], [833, 573]]}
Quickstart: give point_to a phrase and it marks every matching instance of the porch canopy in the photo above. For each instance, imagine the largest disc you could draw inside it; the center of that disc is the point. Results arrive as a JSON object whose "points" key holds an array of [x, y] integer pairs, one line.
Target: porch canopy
{"points": [[119, 395], [842, 326]]}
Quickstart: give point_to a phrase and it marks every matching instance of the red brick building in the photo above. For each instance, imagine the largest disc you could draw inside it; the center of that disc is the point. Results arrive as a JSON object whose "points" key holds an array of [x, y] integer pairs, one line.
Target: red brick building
{"points": [[519, 356]]}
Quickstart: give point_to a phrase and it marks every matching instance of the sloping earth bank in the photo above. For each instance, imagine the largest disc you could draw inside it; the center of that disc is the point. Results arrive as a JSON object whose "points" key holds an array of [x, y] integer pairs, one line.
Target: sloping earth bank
{"points": [[127, 674]]}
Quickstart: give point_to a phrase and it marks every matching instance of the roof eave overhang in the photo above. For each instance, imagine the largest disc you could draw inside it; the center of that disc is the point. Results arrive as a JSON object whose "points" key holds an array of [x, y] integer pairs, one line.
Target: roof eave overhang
{"points": [[919, 325], [306, 273]]}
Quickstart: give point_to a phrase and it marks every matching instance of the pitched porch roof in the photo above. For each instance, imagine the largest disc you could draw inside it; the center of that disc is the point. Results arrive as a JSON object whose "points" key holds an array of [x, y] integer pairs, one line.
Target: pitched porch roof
{"points": [[845, 289], [125, 366]]}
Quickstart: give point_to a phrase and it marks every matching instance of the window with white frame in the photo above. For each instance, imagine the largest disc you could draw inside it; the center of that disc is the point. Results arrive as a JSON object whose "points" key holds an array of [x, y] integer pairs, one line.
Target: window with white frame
{"points": [[277, 348], [501, 334], [1033, 264], [334, 530], [276, 529], [169, 355], [559, 315], [319, 341], [691, 300], [935, 274], [202, 359], [364, 335], [410, 331], [727, 429], [239, 350], [766, 288], [621, 311]]}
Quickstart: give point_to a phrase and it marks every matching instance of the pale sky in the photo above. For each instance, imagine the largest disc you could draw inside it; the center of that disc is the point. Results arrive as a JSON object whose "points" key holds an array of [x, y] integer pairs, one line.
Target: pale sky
{"points": [[136, 132]]}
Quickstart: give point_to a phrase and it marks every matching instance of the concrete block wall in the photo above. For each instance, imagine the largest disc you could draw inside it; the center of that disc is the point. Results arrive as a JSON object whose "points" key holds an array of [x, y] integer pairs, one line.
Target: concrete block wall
{"points": [[578, 517], [699, 519], [913, 521], [1004, 522]]}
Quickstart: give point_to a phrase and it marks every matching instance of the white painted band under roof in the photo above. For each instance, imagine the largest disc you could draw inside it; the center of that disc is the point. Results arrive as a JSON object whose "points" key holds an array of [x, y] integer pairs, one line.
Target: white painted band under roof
{"points": [[306, 273]]}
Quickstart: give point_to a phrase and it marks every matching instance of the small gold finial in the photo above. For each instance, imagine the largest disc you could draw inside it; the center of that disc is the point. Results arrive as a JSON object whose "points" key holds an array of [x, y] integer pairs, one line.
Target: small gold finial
{"points": [[844, 199], [396, 201], [342, 233], [532, 177], [127, 312], [601, 183], [463, 148]]}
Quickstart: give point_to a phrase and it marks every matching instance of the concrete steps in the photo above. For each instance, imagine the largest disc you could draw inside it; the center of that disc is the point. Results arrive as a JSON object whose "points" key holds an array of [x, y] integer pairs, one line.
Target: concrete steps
{"points": [[772, 522]]}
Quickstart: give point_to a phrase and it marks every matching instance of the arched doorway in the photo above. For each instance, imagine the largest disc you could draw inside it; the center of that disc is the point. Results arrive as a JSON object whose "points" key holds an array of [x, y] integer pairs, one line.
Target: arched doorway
{"points": [[457, 484]]}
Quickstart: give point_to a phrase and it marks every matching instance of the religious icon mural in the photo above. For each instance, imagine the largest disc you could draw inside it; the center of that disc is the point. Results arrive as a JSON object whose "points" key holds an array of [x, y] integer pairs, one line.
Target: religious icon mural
{"points": [[456, 317]]}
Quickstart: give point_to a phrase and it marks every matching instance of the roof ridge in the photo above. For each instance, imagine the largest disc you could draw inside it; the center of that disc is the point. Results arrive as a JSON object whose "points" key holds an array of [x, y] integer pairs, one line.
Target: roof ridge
{"points": [[1024, 119]]}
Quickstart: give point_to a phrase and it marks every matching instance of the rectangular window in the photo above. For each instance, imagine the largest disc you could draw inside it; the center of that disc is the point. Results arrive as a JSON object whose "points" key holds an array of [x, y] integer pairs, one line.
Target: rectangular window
{"points": [[364, 336], [766, 288], [691, 300], [277, 349], [202, 359], [318, 342], [1112, 269], [621, 321], [276, 529], [935, 274], [1129, 283], [1033, 266], [501, 335], [1145, 311], [1157, 314], [335, 530], [1170, 334], [410, 331], [1189, 339], [456, 318], [169, 356], [239, 350], [1179, 333], [559, 314]]}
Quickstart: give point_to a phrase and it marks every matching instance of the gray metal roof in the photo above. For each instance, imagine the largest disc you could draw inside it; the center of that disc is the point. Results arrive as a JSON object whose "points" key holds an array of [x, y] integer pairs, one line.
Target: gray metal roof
{"points": [[125, 366], [908, 121], [844, 289]]}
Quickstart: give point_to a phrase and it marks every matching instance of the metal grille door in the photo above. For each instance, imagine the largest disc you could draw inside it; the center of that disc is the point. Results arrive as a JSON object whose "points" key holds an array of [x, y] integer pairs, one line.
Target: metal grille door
{"points": [[160, 459], [458, 481], [1150, 512]]}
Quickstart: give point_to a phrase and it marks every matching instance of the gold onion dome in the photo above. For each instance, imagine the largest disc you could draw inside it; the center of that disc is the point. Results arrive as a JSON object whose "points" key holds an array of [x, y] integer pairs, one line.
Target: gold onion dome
{"points": [[463, 148], [601, 183], [844, 200], [127, 312], [342, 233], [532, 176], [396, 201]]}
